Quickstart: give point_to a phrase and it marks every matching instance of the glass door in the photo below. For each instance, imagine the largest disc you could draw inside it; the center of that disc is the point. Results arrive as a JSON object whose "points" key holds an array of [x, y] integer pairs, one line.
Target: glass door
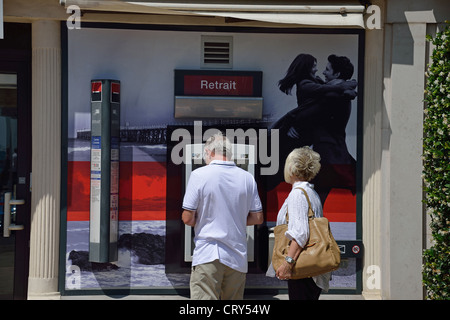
{"points": [[15, 168], [8, 177]]}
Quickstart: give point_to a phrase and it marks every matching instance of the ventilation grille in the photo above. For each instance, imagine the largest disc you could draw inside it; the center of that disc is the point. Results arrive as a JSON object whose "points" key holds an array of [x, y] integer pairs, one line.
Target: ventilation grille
{"points": [[217, 52]]}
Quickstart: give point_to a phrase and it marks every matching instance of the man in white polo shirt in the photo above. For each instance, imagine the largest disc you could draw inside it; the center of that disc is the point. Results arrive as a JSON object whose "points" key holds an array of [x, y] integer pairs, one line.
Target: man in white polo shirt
{"points": [[221, 199]]}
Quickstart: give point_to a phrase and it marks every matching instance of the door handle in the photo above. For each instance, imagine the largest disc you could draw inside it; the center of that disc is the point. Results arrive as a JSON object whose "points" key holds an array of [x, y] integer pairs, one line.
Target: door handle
{"points": [[7, 225]]}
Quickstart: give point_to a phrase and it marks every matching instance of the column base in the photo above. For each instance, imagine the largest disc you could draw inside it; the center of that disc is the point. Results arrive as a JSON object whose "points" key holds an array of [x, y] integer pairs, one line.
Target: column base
{"points": [[372, 295], [43, 289], [45, 296]]}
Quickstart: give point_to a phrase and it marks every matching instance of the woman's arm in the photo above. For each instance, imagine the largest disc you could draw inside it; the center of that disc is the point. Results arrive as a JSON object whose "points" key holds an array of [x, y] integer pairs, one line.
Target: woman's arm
{"points": [[298, 230], [294, 250], [285, 270], [347, 94], [310, 103], [309, 88]]}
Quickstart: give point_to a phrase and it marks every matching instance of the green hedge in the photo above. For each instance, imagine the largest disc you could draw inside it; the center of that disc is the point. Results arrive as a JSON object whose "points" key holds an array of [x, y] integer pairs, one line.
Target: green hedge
{"points": [[436, 168]]}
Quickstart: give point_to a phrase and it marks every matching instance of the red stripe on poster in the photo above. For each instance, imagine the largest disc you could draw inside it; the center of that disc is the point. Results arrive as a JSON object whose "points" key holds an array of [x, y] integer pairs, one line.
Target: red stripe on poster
{"points": [[77, 215], [142, 191], [275, 199], [340, 205], [123, 215]]}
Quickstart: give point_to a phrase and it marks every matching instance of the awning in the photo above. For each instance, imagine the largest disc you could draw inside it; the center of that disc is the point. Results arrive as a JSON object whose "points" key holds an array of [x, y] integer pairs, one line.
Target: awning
{"points": [[341, 15]]}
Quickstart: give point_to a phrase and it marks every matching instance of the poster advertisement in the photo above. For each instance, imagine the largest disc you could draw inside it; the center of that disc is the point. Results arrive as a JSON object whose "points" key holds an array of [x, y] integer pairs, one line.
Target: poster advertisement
{"points": [[144, 61]]}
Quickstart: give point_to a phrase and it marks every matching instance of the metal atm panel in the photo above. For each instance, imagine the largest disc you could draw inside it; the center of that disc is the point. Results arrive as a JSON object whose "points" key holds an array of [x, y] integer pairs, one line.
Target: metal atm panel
{"points": [[244, 157]]}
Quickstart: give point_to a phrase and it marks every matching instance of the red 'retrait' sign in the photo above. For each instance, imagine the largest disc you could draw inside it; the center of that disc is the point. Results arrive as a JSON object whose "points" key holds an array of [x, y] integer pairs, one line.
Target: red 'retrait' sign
{"points": [[217, 85]]}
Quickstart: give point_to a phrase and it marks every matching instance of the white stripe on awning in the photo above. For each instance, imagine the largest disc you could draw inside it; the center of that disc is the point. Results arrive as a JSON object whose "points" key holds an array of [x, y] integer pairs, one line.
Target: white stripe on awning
{"points": [[350, 15], [308, 19]]}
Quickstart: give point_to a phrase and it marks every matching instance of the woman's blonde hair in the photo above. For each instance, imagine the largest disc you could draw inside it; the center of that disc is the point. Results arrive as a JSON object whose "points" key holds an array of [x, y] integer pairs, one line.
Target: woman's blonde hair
{"points": [[302, 163]]}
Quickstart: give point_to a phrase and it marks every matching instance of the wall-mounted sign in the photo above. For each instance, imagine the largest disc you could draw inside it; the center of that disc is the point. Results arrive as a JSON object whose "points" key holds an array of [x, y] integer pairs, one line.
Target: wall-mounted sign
{"points": [[218, 94], [203, 85]]}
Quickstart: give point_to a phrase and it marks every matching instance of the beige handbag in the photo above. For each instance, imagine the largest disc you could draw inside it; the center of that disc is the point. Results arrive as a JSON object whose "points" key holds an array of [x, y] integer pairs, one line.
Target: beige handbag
{"points": [[321, 254]]}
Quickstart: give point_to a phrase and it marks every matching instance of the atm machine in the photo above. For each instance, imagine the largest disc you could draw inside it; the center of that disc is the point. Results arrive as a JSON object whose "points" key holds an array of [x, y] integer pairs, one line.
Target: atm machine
{"points": [[179, 241], [244, 157]]}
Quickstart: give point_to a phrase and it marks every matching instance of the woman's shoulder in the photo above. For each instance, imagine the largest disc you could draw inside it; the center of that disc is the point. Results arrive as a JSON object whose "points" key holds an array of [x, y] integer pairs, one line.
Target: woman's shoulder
{"points": [[297, 190], [299, 185]]}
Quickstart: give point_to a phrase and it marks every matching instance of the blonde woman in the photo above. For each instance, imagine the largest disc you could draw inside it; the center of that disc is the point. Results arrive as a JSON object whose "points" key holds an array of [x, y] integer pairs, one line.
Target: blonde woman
{"points": [[302, 165]]}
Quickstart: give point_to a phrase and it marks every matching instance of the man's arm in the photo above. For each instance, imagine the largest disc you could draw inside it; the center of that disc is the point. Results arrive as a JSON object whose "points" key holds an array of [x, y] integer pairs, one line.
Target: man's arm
{"points": [[188, 217], [255, 218]]}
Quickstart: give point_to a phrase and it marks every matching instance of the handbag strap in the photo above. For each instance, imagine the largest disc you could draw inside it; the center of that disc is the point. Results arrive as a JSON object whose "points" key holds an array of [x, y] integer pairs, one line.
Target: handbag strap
{"points": [[310, 210]]}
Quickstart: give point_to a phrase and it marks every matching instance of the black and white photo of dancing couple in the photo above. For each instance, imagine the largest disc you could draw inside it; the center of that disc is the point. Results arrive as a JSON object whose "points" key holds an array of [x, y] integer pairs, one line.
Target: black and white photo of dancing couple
{"points": [[319, 120]]}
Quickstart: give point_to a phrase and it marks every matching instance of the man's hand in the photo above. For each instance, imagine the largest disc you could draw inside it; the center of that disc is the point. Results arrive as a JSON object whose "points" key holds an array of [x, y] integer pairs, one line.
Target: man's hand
{"points": [[255, 218]]}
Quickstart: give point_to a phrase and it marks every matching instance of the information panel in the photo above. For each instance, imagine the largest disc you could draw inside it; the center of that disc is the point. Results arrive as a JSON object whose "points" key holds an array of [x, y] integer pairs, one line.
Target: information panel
{"points": [[104, 195]]}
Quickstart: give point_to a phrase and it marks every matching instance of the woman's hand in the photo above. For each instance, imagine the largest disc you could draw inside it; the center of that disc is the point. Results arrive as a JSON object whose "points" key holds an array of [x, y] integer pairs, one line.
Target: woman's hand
{"points": [[293, 133], [349, 84], [284, 271]]}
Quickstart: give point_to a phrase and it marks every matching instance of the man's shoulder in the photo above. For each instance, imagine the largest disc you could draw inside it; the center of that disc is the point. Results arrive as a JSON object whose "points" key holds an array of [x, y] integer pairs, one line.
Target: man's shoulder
{"points": [[205, 171], [247, 176], [200, 171]]}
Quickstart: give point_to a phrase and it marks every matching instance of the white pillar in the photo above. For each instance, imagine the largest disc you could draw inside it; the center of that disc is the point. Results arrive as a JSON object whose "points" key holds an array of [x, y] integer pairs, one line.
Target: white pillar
{"points": [[46, 160], [372, 150], [401, 209]]}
